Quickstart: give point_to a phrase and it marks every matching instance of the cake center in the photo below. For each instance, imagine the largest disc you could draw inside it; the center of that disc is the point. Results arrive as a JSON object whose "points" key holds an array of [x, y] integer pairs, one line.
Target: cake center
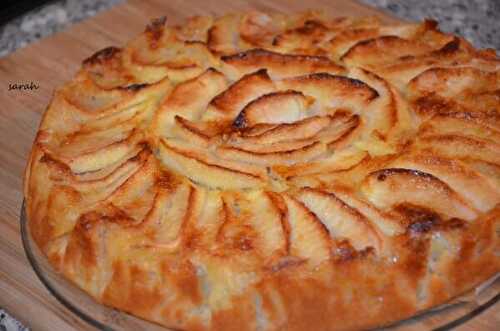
{"points": [[258, 124]]}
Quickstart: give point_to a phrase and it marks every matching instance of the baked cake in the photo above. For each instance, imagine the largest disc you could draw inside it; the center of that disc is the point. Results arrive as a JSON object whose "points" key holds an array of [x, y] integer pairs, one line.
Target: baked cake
{"points": [[267, 171]]}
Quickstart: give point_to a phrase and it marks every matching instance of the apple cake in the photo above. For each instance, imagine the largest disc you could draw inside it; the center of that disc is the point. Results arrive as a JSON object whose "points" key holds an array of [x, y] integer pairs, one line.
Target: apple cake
{"points": [[267, 171]]}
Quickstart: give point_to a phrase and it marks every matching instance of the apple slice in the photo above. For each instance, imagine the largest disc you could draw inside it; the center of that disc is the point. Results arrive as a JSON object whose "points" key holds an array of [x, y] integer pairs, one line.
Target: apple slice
{"points": [[309, 238], [276, 107], [391, 187], [342, 221]]}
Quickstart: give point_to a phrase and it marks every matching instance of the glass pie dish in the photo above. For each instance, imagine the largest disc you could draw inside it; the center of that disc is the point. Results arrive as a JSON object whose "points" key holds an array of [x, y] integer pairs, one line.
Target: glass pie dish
{"points": [[445, 317]]}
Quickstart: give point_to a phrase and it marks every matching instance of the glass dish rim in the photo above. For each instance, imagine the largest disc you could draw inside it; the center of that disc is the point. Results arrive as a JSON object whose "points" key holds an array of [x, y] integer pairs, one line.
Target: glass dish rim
{"points": [[46, 283]]}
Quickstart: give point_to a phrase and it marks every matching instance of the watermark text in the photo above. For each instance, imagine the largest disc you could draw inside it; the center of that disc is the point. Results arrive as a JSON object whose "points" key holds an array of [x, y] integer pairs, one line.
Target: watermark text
{"points": [[23, 86]]}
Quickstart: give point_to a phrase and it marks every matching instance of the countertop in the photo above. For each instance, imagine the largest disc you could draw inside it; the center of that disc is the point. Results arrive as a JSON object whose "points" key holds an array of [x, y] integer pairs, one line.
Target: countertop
{"points": [[476, 20]]}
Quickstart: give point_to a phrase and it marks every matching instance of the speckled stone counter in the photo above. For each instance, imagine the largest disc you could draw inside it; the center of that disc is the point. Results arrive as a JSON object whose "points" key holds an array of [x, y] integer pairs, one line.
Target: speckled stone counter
{"points": [[47, 20], [476, 20]]}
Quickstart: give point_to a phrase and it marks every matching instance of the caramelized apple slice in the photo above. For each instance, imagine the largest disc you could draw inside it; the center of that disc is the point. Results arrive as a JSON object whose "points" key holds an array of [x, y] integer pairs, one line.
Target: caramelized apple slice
{"points": [[278, 65], [250, 232], [158, 53], [208, 171], [166, 219], [98, 188], [277, 107], [205, 219], [388, 224], [333, 162], [331, 91], [299, 130], [258, 29], [189, 99], [303, 39], [195, 28], [94, 151], [390, 187], [450, 82], [349, 37], [461, 147], [388, 123], [223, 37], [481, 126], [342, 221], [229, 103], [199, 133], [299, 155], [385, 49], [137, 193], [309, 238], [466, 182], [106, 68]]}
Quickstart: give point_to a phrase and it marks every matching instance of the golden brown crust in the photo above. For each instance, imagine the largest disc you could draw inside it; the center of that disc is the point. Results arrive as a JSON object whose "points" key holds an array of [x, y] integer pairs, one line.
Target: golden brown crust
{"points": [[273, 172]]}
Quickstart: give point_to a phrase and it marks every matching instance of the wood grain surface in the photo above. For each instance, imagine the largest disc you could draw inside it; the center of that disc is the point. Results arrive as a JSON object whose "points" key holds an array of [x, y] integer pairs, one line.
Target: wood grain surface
{"points": [[54, 60]]}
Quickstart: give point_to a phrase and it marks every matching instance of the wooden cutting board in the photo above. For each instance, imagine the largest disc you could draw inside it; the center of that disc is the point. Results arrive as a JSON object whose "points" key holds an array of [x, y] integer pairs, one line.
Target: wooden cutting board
{"points": [[52, 61]]}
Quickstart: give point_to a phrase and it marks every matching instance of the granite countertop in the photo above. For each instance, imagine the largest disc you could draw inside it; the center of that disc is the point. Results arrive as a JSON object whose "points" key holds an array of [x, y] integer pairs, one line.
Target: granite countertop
{"points": [[476, 20], [47, 20]]}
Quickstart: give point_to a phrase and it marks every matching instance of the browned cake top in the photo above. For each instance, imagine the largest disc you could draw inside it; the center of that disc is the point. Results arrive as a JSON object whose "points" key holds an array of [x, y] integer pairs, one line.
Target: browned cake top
{"points": [[273, 172]]}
